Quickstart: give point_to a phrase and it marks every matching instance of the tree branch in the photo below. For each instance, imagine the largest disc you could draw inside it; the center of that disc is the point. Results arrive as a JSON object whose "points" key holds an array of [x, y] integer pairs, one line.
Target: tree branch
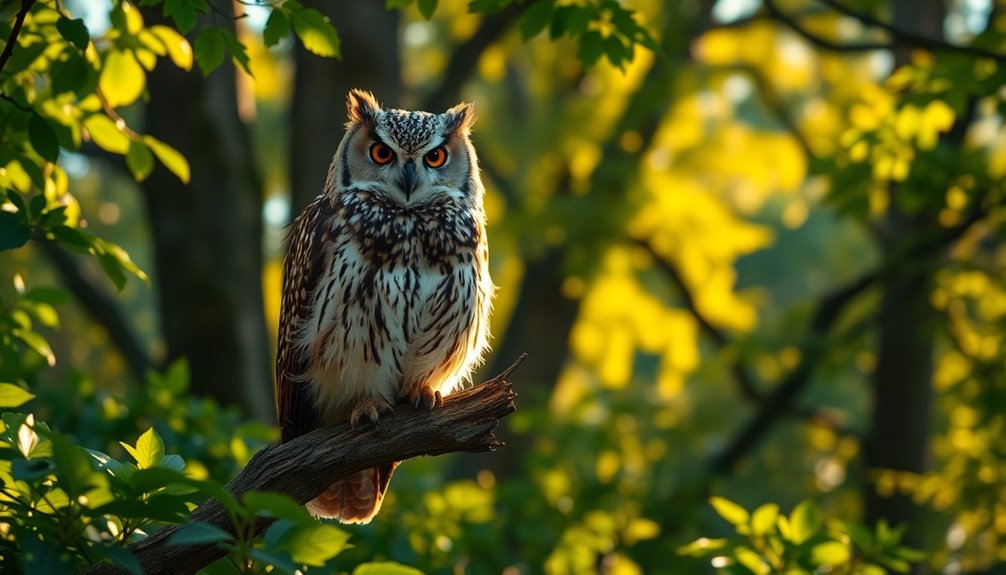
{"points": [[102, 308], [745, 381], [899, 37], [304, 467], [466, 56], [8, 49]]}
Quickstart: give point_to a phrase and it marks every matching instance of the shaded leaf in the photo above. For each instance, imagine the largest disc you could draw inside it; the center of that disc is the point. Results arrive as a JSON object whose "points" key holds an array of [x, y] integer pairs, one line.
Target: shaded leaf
{"points": [[43, 138], [139, 160], [276, 28], [74, 31], [198, 533], [536, 18], [427, 8], [14, 230], [277, 505], [210, 49]]}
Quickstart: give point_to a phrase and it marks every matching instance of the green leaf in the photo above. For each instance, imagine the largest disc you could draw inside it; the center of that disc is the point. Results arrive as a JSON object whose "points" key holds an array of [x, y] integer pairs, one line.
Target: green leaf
{"points": [[311, 544], [105, 134], [701, 547], [830, 553], [110, 265], [199, 533], [13, 396], [122, 78], [43, 138], [73, 466], [276, 28], [536, 18], [427, 8], [139, 160], [385, 568], [73, 239], [269, 504], [591, 46], [38, 344], [763, 519], [72, 74], [47, 294], [172, 159], [184, 13], [316, 32], [149, 449], [804, 521], [74, 31], [729, 510], [14, 230], [397, 4], [211, 46]]}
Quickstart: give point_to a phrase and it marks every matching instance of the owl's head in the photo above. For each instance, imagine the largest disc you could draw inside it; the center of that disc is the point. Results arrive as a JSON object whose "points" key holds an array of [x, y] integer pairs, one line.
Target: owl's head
{"points": [[410, 156]]}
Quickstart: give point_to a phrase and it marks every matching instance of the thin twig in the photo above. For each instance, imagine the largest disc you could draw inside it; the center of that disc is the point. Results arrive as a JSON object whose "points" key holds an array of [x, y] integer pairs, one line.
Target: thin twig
{"points": [[8, 49]]}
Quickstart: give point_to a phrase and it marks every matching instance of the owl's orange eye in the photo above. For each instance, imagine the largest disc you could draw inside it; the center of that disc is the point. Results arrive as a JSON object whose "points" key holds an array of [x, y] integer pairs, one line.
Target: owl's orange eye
{"points": [[435, 157], [381, 153]]}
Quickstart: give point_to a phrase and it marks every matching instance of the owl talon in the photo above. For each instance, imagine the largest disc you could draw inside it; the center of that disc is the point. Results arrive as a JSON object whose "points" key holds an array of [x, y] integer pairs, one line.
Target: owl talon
{"points": [[368, 410], [425, 397]]}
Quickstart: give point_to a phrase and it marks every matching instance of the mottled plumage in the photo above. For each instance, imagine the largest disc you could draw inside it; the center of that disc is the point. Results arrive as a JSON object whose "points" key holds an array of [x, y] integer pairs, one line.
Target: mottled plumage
{"points": [[386, 288]]}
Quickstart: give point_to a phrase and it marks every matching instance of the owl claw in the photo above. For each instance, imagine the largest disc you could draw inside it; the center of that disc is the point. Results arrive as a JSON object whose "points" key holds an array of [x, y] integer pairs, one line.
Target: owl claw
{"points": [[424, 397], [368, 410]]}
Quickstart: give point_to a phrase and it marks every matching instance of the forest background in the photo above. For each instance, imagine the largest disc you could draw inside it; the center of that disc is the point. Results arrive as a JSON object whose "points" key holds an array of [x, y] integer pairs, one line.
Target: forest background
{"points": [[752, 248]]}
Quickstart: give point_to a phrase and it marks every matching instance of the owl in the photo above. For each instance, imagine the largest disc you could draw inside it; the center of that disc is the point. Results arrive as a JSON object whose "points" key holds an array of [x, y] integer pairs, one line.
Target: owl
{"points": [[386, 289]]}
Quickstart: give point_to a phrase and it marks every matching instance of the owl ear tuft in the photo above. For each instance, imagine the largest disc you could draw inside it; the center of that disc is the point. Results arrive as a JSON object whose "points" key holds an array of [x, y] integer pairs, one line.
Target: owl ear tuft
{"points": [[460, 118], [362, 106]]}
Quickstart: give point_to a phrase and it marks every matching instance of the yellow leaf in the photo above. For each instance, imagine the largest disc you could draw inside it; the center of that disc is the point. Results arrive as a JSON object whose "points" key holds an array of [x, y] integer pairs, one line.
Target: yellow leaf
{"points": [[106, 134], [122, 79], [179, 49], [170, 157]]}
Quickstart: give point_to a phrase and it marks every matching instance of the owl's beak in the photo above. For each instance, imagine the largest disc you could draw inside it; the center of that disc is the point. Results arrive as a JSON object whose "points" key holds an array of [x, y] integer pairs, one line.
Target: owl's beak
{"points": [[408, 178]]}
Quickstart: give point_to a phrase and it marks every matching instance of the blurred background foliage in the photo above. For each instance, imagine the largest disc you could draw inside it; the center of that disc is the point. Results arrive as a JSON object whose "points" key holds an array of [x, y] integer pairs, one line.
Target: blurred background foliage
{"points": [[752, 247]]}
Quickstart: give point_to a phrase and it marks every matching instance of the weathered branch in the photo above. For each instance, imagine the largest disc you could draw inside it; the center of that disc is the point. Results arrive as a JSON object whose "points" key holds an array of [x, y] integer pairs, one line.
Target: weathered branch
{"points": [[304, 467]]}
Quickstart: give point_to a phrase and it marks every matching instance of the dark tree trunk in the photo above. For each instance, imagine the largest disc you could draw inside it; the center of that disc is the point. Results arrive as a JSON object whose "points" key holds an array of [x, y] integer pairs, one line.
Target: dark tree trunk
{"points": [[208, 238], [370, 61], [899, 431]]}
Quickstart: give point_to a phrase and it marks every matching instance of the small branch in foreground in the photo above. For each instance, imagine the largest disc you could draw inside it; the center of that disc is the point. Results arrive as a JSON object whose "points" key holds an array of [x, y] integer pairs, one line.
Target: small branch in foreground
{"points": [[304, 467], [8, 49]]}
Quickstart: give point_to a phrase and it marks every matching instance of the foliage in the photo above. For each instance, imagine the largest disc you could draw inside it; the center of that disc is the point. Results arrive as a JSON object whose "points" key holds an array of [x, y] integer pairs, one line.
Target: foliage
{"points": [[801, 542]]}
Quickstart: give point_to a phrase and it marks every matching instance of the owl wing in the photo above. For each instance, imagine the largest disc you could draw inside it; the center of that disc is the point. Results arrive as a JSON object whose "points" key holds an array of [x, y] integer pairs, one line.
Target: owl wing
{"points": [[303, 269]]}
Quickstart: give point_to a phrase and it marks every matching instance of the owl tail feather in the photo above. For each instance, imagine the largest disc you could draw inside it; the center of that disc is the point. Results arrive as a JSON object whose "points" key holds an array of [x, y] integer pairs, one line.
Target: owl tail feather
{"points": [[356, 498]]}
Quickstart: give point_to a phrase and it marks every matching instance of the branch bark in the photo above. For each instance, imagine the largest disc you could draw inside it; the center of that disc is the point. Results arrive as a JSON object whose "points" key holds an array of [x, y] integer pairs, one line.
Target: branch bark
{"points": [[304, 467], [8, 49]]}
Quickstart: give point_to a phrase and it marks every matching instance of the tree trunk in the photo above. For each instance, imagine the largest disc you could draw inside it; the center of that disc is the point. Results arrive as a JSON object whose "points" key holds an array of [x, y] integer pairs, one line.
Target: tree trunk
{"points": [[370, 61], [902, 382], [208, 238]]}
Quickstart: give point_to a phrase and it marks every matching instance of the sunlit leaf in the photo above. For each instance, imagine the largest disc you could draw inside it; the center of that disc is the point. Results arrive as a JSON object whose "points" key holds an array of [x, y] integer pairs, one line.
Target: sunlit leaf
{"points": [[148, 451], [316, 32], [172, 159], [178, 47], [105, 134], [701, 547], [830, 553], [122, 78], [385, 568], [13, 396], [729, 510], [38, 344], [763, 519], [804, 521], [310, 544]]}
